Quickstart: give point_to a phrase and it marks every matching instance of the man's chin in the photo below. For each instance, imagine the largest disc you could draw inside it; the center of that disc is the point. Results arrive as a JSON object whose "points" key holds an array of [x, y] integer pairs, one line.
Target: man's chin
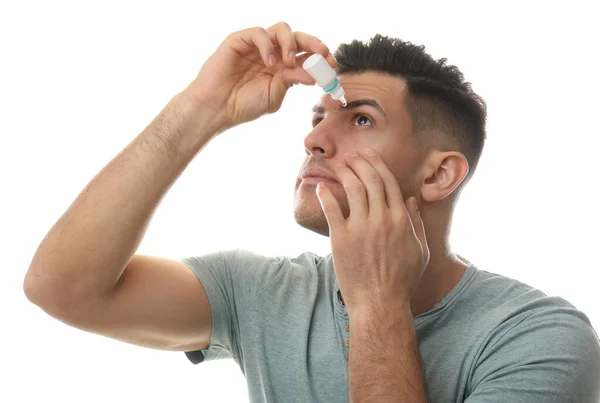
{"points": [[314, 221]]}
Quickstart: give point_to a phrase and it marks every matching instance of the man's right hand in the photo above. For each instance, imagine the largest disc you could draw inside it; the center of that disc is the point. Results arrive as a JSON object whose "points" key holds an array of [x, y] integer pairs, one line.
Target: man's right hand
{"points": [[239, 82]]}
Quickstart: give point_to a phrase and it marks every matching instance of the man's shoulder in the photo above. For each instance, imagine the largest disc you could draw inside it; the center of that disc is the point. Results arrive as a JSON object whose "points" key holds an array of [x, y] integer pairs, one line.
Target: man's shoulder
{"points": [[508, 305], [514, 297]]}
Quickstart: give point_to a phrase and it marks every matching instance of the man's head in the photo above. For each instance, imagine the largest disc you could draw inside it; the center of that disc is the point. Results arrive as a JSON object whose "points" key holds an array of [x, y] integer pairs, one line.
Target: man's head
{"points": [[420, 116]]}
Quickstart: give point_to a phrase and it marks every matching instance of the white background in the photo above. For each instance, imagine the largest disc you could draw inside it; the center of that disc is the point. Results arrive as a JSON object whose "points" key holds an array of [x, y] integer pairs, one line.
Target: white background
{"points": [[79, 80]]}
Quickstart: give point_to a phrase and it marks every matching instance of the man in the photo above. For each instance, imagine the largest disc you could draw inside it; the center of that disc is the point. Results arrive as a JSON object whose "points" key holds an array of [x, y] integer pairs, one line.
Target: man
{"points": [[392, 314]]}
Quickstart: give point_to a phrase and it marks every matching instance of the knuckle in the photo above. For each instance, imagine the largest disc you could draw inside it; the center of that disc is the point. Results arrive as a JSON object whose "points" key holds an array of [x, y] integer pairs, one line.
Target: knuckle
{"points": [[355, 187], [383, 221], [235, 35], [374, 177], [398, 220], [403, 222], [258, 30], [283, 24], [320, 44]]}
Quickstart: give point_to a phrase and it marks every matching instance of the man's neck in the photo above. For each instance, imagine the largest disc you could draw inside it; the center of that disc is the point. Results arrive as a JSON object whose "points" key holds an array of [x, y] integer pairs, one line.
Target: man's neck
{"points": [[440, 277]]}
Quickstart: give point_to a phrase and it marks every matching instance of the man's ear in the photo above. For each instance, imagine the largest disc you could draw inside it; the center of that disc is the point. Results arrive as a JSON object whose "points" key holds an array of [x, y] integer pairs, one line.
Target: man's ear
{"points": [[444, 171]]}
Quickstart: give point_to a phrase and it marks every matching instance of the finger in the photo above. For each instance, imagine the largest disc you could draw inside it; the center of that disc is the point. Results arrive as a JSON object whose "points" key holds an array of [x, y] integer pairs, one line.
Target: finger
{"points": [[281, 34], [355, 191], [373, 183], [332, 60], [311, 44], [331, 207], [247, 40], [297, 74], [393, 193]]}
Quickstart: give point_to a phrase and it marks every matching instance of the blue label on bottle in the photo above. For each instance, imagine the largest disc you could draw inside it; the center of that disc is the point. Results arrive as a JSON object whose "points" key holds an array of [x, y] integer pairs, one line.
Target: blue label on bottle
{"points": [[332, 87]]}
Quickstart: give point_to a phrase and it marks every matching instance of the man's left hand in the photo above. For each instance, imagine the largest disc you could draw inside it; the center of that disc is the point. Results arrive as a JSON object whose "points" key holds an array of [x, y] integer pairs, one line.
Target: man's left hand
{"points": [[380, 251]]}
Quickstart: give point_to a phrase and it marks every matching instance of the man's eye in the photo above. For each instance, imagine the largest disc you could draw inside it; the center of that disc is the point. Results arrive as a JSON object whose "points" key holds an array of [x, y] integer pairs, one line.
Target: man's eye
{"points": [[363, 118]]}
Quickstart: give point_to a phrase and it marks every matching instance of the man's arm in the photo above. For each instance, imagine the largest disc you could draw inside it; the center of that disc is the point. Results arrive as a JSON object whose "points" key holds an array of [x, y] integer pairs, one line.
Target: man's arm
{"points": [[384, 363], [85, 253]]}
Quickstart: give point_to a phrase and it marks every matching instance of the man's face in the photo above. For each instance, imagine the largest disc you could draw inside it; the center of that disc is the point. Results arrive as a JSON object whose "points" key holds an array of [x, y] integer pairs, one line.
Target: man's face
{"points": [[338, 130]]}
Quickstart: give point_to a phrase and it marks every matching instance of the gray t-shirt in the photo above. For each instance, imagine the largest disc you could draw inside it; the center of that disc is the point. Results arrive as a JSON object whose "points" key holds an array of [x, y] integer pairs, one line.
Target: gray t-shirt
{"points": [[491, 339]]}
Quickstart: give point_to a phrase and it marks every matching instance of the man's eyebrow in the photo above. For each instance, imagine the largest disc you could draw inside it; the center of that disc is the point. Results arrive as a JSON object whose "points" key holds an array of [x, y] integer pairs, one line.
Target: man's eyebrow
{"points": [[318, 109]]}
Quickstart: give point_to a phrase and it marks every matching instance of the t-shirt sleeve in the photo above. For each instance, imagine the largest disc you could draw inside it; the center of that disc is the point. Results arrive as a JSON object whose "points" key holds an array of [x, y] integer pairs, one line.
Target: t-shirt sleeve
{"points": [[550, 355], [232, 280]]}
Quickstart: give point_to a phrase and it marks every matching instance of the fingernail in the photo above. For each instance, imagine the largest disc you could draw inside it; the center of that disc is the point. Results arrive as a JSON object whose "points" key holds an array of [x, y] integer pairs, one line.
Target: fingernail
{"points": [[271, 60], [293, 56]]}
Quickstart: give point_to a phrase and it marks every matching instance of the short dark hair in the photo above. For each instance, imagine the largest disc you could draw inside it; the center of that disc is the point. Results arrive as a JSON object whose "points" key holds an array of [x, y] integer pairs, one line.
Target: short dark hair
{"points": [[446, 114]]}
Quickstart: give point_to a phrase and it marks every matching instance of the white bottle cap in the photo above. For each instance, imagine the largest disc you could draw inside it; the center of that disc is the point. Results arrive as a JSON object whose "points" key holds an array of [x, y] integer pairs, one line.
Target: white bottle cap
{"points": [[316, 65], [319, 69]]}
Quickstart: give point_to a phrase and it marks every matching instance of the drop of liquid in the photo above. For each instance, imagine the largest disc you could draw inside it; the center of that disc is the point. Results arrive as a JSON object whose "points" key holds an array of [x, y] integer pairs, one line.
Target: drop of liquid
{"points": [[343, 100]]}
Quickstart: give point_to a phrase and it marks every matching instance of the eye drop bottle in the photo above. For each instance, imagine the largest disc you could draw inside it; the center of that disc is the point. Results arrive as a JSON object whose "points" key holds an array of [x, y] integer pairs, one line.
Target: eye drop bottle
{"points": [[319, 69]]}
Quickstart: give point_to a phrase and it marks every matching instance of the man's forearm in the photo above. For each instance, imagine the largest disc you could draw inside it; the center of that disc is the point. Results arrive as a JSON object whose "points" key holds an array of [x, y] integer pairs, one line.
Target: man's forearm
{"points": [[85, 252], [384, 362]]}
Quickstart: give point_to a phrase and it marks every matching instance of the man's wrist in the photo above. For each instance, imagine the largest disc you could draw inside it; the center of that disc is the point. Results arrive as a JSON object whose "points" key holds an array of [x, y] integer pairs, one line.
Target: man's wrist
{"points": [[195, 124]]}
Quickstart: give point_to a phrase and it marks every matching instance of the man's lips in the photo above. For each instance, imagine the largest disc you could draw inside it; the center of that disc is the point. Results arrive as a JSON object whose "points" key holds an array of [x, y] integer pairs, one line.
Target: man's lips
{"points": [[314, 174]]}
